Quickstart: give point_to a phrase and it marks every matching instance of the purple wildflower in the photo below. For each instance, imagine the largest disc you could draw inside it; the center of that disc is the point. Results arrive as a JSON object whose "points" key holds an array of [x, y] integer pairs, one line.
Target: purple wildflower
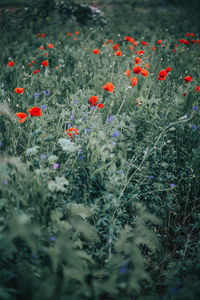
{"points": [[194, 127], [56, 166], [151, 177], [172, 185], [43, 107], [43, 156], [87, 130], [46, 93]]}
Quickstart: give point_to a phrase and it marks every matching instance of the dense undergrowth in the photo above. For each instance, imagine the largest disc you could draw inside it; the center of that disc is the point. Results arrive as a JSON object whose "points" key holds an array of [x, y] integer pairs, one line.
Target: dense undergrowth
{"points": [[112, 210]]}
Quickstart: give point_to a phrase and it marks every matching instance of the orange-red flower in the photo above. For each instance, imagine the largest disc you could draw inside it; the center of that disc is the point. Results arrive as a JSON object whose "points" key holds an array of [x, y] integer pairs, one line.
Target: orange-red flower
{"points": [[147, 65], [159, 42], [163, 73], [153, 48], [116, 47], [100, 105], [131, 47], [50, 46], [35, 111], [22, 117], [19, 90], [140, 52], [188, 79], [96, 51], [134, 81], [110, 41], [93, 100], [137, 69], [128, 73], [36, 71], [109, 87], [42, 35], [11, 63], [72, 131], [41, 47], [118, 53], [161, 78], [69, 33], [168, 69], [144, 43], [137, 60], [197, 88], [127, 38], [144, 73], [45, 63], [76, 32]]}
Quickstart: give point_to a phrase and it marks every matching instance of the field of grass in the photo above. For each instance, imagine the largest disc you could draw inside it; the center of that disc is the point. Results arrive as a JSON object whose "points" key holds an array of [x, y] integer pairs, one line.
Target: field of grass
{"points": [[99, 156]]}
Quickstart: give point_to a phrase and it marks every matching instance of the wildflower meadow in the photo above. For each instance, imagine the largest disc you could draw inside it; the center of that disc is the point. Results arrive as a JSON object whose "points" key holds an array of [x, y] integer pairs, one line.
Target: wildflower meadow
{"points": [[99, 150]]}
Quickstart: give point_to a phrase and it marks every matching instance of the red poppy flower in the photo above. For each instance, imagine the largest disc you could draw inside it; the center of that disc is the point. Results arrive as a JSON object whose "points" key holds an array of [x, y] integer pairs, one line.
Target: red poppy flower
{"points": [[174, 50], [134, 81], [96, 51], [137, 60], [46, 54], [193, 41], [76, 32], [192, 34], [110, 41], [11, 64], [144, 43], [100, 105], [153, 48], [197, 89], [176, 45], [168, 69], [163, 73], [109, 87], [128, 73], [36, 71], [188, 79], [42, 34], [147, 65], [69, 33], [118, 53], [159, 42], [116, 47], [132, 40], [41, 47], [35, 111], [131, 47], [72, 131], [19, 90], [144, 73], [137, 69], [93, 100], [45, 63], [140, 52], [74, 38], [22, 117], [127, 38], [50, 46], [161, 78]]}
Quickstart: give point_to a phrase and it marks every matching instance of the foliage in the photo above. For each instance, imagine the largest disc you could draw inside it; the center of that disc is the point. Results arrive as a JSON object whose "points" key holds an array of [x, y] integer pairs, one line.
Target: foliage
{"points": [[112, 213]]}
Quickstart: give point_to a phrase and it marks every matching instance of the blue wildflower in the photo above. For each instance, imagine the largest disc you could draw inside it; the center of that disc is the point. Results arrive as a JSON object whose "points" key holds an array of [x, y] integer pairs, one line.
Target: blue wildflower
{"points": [[124, 267], [69, 125], [1, 143], [151, 177], [91, 125], [87, 130], [110, 119], [5, 181], [46, 93], [195, 108], [43, 107], [115, 134], [72, 117], [172, 185], [52, 238], [80, 156], [194, 127], [43, 156], [75, 102], [36, 95]]}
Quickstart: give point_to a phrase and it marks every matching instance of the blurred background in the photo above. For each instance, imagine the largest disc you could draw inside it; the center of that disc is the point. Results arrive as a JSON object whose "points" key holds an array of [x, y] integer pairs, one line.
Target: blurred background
{"points": [[120, 15]]}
